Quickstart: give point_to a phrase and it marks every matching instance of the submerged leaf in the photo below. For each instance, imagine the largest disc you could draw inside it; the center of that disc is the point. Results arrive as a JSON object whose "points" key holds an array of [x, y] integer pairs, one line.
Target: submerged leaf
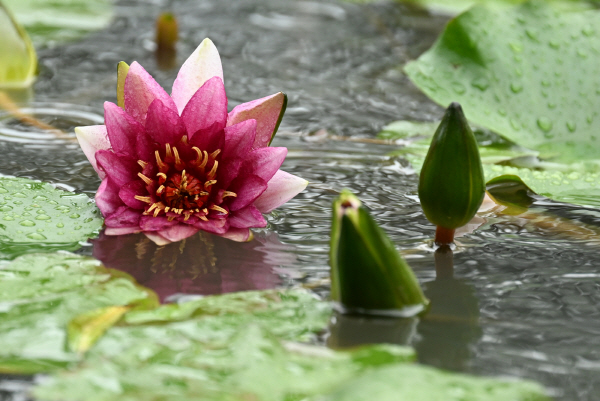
{"points": [[35, 217], [527, 72]]}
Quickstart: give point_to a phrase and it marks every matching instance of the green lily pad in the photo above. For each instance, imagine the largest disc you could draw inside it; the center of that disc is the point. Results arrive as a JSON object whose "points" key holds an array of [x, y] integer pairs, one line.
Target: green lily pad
{"points": [[39, 296], [423, 383], [18, 62], [576, 183], [166, 362], [61, 20], [34, 216], [529, 73]]}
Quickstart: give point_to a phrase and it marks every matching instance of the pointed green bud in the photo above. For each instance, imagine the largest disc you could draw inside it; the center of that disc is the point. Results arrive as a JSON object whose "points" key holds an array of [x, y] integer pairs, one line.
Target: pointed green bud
{"points": [[18, 61], [452, 185], [368, 275], [122, 70]]}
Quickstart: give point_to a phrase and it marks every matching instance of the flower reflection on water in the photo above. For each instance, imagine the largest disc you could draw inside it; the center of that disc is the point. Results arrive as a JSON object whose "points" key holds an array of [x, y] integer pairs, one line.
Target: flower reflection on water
{"points": [[201, 264]]}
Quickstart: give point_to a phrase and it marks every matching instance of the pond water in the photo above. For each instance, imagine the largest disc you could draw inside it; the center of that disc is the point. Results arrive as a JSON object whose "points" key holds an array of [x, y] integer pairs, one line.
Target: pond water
{"points": [[523, 298]]}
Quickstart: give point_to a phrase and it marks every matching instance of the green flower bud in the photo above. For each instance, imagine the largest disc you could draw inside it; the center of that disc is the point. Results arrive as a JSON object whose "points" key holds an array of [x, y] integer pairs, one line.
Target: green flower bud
{"points": [[18, 63], [368, 275], [452, 185]]}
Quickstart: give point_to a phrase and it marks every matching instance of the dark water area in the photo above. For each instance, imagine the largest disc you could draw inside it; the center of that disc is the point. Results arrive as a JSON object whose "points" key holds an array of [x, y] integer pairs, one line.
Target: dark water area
{"points": [[522, 298]]}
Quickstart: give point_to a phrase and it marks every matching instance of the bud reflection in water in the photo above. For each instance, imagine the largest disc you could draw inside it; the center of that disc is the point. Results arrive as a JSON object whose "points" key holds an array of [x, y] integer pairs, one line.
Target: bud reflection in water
{"points": [[202, 264], [442, 338], [451, 327]]}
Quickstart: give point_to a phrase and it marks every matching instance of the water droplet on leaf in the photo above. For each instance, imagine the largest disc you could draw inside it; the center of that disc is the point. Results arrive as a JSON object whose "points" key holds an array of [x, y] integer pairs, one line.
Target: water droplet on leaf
{"points": [[27, 223], [544, 123]]}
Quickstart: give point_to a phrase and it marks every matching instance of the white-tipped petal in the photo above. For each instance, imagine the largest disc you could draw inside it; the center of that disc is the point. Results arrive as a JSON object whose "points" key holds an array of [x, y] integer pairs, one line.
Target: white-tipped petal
{"points": [[92, 139], [203, 64], [281, 188]]}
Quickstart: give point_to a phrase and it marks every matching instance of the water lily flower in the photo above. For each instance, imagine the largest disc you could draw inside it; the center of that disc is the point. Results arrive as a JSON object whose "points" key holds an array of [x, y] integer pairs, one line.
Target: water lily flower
{"points": [[173, 165]]}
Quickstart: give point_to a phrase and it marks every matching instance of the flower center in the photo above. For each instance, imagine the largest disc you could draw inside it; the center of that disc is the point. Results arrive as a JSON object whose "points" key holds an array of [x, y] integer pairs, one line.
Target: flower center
{"points": [[184, 186]]}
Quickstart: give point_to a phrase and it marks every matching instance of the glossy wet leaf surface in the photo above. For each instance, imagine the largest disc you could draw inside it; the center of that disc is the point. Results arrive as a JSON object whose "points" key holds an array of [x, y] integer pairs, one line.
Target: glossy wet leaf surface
{"points": [[60, 20], [40, 294], [529, 73], [35, 216]]}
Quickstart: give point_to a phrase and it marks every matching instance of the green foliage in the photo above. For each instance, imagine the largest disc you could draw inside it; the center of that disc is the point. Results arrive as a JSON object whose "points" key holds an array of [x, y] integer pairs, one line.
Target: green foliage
{"points": [[18, 62], [41, 294], [577, 183], [61, 20], [367, 272], [420, 383], [451, 184], [529, 73], [35, 217]]}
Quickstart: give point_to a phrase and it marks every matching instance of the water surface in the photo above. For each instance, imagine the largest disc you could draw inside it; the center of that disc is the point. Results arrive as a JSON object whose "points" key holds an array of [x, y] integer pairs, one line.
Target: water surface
{"points": [[523, 296]]}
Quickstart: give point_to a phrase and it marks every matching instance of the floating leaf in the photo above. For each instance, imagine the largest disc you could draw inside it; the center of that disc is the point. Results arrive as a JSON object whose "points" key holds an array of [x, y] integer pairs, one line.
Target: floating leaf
{"points": [[61, 20], [529, 73], [414, 382], [19, 61], [292, 315], [579, 188], [577, 183], [164, 362], [40, 294], [34, 216]]}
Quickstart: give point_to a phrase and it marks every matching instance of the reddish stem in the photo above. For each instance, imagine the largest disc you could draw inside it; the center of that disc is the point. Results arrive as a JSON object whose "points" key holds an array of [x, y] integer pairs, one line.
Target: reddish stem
{"points": [[444, 236]]}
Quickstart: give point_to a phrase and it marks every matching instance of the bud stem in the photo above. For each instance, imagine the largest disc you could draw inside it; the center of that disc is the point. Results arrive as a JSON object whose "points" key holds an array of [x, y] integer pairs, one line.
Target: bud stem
{"points": [[444, 236]]}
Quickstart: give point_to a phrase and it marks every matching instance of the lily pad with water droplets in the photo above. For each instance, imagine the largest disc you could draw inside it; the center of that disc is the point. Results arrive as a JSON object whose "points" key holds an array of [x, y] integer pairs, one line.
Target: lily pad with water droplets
{"points": [[40, 294], [529, 73], [62, 20], [34, 216]]}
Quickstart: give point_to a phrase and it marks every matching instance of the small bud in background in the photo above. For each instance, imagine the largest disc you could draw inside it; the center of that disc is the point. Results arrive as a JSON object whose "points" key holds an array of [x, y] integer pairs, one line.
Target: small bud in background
{"points": [[368, 275], [167, 34], [451, 185]]}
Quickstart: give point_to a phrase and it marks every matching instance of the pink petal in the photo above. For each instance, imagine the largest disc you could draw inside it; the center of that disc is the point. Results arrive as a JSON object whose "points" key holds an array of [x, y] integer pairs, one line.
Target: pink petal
{"points": [[247, 217], [163, 124], [122, 230], [122, 129], [157, 239], [267, 112], [107, 197], [282, 187], [140, 91], [203, 64], [151, 223], [215, 226], [128, 192], [207, 109], [119, 169], [247, 189], [144, 148], [239, 139], [238, 234], [123, 217], [92, 139], [264, 162], [177, 232]]}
